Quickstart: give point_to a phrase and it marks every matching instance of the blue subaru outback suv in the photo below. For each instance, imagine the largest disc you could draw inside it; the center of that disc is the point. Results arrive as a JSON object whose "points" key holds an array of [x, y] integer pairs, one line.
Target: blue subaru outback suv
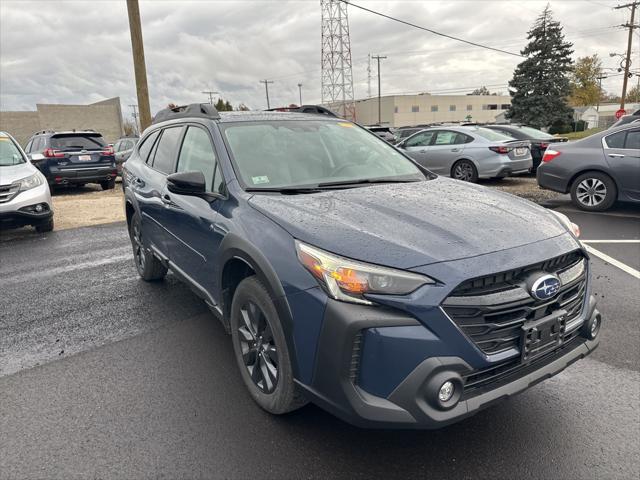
{"points": [[351, 277]]}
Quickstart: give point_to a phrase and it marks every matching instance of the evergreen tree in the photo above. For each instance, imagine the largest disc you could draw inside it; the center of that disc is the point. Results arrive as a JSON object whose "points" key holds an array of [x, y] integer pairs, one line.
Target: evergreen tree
{"points": [[540, 85]]}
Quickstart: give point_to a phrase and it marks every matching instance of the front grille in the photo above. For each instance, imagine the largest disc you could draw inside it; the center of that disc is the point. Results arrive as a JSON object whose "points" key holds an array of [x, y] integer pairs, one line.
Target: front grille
{"points": [[492, 310], [7, 192]]}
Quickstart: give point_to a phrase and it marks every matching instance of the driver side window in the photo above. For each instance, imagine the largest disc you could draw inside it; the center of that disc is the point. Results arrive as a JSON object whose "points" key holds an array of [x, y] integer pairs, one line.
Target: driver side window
{"points": [[422, 139], [197, 154]]}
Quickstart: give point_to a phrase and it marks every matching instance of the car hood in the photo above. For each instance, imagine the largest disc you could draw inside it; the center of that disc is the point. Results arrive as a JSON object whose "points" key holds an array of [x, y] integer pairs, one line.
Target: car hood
{"points": [[411, 224], [15, 172]]}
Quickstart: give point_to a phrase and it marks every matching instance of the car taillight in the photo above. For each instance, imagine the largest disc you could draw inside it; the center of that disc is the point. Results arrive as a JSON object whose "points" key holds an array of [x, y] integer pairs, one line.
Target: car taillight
{"points": [[108, 150], [51, 153], [549, 155], [500, 149]]}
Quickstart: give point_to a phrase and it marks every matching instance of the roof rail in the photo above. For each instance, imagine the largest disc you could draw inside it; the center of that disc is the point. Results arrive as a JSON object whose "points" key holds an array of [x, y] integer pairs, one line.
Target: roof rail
{"points": [[198, 110]]}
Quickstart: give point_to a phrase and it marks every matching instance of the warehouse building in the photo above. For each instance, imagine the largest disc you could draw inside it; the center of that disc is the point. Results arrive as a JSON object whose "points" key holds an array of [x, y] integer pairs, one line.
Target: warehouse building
{"points": [[404, 110], [104, 117]]}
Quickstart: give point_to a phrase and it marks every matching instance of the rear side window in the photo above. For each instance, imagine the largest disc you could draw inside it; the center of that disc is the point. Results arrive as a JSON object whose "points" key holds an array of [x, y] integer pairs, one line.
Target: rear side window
{"points": [[616, 140], [165, 156], [449, 138], [633, 140], [147, 145], [75, 141], [197, 155]]}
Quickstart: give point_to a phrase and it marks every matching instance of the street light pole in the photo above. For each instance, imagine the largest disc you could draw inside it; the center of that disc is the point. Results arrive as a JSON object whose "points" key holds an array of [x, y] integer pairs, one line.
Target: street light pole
{"points": [[137, 47], [300, 91], [378, 58], [266, 90]]}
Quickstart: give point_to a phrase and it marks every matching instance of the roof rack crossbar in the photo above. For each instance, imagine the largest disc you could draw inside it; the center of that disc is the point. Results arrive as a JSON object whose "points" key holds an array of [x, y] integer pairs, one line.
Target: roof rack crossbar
{"points": [[194, 110]]}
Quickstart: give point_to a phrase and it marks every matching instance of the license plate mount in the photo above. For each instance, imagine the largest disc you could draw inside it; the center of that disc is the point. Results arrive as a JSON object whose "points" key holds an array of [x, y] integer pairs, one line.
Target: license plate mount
{"points": [[542, 336], [84, 158], [520, 151]]}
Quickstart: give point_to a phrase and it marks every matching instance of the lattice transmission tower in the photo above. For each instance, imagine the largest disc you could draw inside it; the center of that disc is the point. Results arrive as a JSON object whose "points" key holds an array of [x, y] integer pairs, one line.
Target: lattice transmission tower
{"points": [[337, 75]]}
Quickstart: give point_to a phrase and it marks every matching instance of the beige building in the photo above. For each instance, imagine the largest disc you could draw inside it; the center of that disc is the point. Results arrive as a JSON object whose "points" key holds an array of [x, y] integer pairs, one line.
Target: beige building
{"points": [[104, 117], [404, 110]]}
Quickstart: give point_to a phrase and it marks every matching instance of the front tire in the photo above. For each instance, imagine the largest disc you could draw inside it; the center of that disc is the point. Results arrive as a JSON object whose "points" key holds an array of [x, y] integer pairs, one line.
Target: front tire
{"points": [[594, 192], [148, 266], [45, 227], [261, 349], [464, 170]]}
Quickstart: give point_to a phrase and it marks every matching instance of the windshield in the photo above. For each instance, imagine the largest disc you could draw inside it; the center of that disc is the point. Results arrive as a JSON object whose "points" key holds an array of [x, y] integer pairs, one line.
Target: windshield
{"points": [[290, 153], [535, 133], [82, 142], [9, 153], [492, 135]]}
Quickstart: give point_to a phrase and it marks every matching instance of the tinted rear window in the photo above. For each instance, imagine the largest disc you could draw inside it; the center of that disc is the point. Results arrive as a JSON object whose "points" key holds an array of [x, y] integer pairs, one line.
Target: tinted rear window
{"points": [[79, 141], [491, 135], [164, 160]]}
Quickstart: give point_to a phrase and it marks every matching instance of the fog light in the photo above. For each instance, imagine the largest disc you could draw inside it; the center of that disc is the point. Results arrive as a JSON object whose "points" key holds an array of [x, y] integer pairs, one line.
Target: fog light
{"points": [[446, 391], [595, 325], [38, 208]]}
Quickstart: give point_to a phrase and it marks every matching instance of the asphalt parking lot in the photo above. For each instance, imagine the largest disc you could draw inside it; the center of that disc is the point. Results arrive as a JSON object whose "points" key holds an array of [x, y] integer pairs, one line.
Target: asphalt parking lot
{"points": [[103, 375]]}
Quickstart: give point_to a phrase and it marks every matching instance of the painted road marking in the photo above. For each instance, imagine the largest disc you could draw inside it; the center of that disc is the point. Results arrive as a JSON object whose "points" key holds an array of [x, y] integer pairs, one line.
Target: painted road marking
{"points": [[616, 263], [610, 241], [608, 214]]}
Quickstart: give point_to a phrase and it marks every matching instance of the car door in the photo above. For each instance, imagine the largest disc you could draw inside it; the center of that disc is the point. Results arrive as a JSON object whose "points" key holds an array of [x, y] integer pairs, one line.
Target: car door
{"points": [[622, 152], [416, 146], [150, 189], [446, 148], [191, 219]]}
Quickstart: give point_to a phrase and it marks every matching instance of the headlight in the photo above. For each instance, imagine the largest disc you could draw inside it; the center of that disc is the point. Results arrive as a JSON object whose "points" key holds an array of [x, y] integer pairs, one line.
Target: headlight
{"points": [[572, 227], [349, 280], [28, 183]]}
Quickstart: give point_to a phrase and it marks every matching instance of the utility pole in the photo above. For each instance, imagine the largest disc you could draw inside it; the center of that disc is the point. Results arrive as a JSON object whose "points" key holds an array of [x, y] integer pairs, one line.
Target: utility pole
{"points": [[139, 67], [300, 92], [211, 94], [378, 58], [600, 78], [135, 117], [266, 90], [369, 75], [627, 63]]}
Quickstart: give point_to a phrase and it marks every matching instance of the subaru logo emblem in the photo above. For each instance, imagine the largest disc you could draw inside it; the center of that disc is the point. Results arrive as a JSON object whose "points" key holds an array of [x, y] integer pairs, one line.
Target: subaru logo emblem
{"points": [[545, 287]]}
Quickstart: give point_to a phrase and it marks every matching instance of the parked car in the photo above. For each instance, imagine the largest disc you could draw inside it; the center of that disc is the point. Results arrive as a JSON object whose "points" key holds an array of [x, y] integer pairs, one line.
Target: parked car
{"points": [[468, 153], [24, 193], [634, 117], [122, 150], [539, 140], [384, 133], [597, 170], [350, 276], [73, 158]]}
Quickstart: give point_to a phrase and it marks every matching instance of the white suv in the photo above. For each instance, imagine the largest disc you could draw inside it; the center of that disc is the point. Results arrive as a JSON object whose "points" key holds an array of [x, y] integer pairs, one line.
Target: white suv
{"points": [[25, 198]]}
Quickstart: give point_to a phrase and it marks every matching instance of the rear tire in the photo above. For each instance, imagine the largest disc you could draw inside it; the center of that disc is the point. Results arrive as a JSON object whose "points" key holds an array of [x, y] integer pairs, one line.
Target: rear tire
{"points": [[464, 170], [261, 349], [108, 184], [45, 227], [594, 192], [148, 266]]}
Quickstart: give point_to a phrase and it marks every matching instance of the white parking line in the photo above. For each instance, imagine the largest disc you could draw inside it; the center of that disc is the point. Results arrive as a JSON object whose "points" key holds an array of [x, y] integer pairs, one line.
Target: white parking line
{"points": [[607, 214], [616, 263], [610, 241]]}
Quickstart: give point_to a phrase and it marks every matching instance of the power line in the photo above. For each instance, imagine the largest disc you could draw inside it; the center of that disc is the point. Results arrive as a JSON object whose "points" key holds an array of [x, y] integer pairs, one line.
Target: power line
{"points": [[430, 30]]}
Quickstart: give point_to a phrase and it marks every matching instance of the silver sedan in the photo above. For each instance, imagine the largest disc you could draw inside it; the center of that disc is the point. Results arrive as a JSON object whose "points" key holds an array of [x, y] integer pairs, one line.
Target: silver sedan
{"points": [[468, 153]]}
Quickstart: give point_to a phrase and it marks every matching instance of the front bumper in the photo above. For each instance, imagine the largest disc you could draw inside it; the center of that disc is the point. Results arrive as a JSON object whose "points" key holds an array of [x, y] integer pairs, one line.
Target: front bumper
{"points": [[339, 370], [16, 213]]}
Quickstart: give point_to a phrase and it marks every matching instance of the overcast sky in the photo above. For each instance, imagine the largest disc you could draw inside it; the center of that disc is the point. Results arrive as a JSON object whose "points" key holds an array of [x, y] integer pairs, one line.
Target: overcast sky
{"points": [[80, 52]]}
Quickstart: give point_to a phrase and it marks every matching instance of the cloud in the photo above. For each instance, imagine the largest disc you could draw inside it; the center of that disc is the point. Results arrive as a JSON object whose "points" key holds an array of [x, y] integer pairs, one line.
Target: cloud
{"points": [[79, 51]]}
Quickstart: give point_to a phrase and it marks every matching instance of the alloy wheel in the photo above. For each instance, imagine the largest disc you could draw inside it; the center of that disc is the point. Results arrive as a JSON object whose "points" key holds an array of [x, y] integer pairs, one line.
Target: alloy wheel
{"points": [[591, 192], [259, 352], [138, 248], [463, 171]]}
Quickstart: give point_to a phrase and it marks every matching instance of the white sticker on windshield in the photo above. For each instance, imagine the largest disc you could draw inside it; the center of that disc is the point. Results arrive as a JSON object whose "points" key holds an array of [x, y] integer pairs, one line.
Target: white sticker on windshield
{"points": [[260, 179]]}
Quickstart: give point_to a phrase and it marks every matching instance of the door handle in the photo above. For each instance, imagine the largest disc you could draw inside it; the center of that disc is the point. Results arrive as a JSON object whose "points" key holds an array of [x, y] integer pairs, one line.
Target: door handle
{"points": [[616, 155], [455, 149], [422, 151], [166, 199]]}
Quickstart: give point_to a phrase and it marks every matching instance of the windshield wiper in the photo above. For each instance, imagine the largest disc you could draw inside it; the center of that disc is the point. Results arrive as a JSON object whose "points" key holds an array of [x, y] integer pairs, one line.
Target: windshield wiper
{"points": [[365, 181], [286, 190]]}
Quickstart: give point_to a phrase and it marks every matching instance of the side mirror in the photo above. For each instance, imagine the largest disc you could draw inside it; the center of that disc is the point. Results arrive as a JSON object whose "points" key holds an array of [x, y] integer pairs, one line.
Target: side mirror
{"points": [[187, 183], [36, 157]]}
